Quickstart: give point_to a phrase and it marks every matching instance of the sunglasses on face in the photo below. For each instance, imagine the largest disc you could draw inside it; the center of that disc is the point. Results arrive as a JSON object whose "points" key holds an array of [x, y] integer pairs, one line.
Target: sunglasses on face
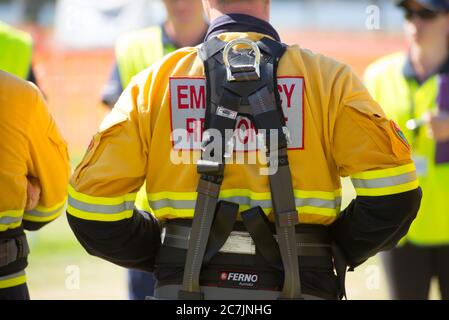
{"points": [[424, 14]]}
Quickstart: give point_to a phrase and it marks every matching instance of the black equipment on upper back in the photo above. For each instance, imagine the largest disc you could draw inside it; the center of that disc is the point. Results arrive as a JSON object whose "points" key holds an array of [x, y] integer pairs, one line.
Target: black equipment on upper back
{"points": [[243, 82]]}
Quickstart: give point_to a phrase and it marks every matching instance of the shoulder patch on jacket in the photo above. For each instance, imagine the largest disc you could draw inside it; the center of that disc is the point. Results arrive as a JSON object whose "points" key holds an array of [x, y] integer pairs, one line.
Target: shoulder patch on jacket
{"points": [[399, 133]]}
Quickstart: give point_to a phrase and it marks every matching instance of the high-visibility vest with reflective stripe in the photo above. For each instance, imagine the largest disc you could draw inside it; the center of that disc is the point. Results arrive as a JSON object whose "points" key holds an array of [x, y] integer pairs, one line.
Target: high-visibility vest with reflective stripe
{"points": [[336, 129], [138, 50], [398, 95], [15, 51]]}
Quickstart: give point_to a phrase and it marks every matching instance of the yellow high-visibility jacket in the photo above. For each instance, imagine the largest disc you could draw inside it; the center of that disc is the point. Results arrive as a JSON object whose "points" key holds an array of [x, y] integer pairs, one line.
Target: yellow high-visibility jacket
{"points": [[154, 134], [30, 146], [337, 130]]}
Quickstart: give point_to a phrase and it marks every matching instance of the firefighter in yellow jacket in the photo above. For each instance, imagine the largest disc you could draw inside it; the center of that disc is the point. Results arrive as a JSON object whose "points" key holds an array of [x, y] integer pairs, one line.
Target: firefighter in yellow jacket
{"points": [[34, 172], [242, 142]]}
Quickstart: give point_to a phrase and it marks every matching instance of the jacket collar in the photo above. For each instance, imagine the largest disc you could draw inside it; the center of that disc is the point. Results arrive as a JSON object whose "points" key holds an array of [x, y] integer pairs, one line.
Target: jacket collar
{"points": [[235, 22]]}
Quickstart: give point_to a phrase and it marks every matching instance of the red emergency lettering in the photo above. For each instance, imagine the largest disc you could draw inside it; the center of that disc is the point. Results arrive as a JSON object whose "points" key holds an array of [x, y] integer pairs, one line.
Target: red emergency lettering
{"points": [[194, 127], [182, 96], [197, 99], [289, 94]]}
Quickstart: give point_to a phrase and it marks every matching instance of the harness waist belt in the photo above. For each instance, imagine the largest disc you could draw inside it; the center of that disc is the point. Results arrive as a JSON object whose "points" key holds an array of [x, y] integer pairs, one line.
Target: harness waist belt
{"points": [[240, 242], [12, 250]]}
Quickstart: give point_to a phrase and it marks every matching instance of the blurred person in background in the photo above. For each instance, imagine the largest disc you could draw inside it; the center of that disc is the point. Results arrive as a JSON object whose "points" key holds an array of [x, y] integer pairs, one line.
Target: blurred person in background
{"points": [[34, 171], [16, 49], [413, 89], [135, 51]]}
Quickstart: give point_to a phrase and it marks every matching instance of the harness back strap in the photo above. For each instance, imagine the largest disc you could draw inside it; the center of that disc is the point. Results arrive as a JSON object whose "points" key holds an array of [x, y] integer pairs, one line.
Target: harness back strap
{"points": [[243, 82], [205, 205]]}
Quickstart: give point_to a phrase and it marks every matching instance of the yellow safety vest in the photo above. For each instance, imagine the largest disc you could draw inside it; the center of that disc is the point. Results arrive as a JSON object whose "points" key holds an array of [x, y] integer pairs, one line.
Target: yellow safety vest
{"points": [[15, 51], [398, 95], [138, 50], [153, 134]]}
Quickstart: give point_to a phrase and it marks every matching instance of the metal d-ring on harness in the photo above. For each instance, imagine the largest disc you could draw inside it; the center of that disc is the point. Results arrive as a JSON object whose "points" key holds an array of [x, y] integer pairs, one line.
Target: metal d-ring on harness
{"points": [[231, 70], [242, 82]]}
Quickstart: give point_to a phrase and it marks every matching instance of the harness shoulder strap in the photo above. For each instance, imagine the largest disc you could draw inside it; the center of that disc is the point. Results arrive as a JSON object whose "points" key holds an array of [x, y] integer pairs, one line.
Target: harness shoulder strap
{"points": [[242, 82]]}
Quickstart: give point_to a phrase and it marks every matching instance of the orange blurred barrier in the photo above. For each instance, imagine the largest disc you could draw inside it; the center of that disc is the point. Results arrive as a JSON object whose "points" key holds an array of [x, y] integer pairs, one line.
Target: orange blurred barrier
{"points": [[72, 82]]}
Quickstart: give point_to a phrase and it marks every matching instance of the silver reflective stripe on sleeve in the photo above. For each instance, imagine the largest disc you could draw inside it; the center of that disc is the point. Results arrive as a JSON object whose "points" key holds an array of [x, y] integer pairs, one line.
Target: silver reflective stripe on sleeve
{"points": [[6, 220], [384, 182], [45, 214], [97, 208]]}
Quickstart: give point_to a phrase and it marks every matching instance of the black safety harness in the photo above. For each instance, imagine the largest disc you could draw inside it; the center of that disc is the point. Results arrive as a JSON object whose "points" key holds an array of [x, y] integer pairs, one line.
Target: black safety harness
{"points": [[243, 82]]}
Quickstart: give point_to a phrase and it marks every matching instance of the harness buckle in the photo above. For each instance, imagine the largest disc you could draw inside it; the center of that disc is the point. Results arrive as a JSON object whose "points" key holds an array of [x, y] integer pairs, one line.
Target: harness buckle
{"points": [[255, 68], [287, 134], [226, 113], [209, 167]]}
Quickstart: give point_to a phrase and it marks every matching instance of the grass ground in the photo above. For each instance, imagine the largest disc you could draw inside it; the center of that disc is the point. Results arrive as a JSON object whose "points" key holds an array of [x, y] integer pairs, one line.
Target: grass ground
{"points": [[60, 268]]}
